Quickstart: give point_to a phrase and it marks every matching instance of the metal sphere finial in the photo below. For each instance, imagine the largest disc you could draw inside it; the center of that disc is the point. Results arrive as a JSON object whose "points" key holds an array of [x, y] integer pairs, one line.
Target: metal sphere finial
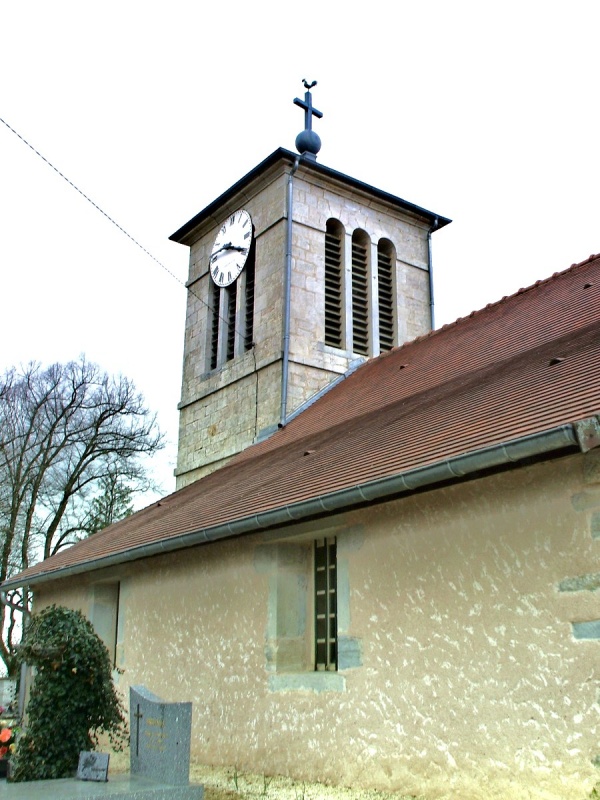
{"points": [[308, 142]]}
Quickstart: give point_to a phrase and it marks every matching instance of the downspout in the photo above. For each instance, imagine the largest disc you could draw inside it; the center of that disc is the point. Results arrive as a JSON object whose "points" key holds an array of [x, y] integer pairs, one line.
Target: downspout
{"points": [[287, 297], [434, 227]]}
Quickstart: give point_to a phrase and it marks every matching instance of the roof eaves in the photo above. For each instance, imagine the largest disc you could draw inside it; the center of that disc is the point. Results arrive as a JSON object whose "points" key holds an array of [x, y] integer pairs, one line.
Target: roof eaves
{"points": [[533, 445], [281, 154]]}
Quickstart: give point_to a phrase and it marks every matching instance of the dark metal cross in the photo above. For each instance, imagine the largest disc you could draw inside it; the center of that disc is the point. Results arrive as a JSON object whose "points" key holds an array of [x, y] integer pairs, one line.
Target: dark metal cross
{"points": [[137, 716], [306, 104]]}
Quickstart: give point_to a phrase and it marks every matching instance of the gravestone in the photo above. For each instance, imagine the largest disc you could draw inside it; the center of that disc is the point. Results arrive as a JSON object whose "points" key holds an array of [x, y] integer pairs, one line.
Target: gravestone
{"points": [[160, 737], [93, 766]]}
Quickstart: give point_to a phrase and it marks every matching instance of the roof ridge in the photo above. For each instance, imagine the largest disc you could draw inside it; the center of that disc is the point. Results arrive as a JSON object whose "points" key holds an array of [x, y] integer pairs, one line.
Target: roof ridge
{"points": [[506, 298]]}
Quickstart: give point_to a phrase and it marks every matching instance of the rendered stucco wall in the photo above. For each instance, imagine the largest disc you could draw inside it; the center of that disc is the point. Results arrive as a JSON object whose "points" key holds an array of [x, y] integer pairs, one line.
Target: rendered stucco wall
{"points": [[460, 606]]}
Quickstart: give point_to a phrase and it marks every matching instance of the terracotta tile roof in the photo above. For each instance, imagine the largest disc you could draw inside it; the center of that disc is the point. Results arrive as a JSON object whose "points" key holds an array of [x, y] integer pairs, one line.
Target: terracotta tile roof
{"points": [[521, 366]]}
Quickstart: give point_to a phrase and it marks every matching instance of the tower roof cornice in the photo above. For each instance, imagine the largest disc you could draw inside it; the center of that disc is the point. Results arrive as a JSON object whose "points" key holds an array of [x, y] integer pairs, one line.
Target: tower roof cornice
{"points": [[281, 155]]}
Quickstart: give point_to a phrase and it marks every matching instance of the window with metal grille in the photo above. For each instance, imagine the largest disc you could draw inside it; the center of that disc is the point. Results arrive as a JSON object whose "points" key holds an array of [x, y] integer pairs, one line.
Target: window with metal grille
{"points": [[325, 586], [385, 259], [333, 284], [360, 294]]}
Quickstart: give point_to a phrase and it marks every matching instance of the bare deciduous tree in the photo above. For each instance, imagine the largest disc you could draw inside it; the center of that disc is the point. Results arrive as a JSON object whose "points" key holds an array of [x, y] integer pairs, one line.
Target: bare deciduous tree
{"points": [[63, 431]]}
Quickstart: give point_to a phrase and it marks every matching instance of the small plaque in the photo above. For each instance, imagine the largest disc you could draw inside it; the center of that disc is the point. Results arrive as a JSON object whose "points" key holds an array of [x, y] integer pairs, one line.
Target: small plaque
{"points": [[93, 766]]}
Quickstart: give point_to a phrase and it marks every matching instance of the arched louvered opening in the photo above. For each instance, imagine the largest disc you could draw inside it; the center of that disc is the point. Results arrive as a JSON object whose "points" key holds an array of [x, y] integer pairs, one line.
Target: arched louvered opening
{"points": [[231, 316], [360, 293], [333, 283], [230, 302], [213, 302], [249, 299], [385, 265]]}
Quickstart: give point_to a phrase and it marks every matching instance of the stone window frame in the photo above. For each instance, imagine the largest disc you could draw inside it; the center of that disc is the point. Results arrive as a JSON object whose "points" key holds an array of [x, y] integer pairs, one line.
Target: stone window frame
{"points": [[106, 616], [290, 633]]}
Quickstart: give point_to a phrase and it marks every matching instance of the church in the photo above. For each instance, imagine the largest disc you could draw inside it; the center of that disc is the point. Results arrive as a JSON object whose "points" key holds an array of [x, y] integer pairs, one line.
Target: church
{"points": [[381, 564]]}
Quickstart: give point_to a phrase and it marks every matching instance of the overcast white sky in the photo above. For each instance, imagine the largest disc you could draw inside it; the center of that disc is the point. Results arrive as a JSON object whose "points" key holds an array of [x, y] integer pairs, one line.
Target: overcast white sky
{"points": [[486, 113]]}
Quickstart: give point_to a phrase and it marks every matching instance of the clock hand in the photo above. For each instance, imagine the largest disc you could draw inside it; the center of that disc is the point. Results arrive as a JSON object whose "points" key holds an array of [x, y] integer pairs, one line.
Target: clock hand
{"points": [[224, 247]]}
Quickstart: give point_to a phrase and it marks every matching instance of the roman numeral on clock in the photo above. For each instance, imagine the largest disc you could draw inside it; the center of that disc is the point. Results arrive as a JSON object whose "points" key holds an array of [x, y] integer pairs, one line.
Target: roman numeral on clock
{"points": [[231, 248]]}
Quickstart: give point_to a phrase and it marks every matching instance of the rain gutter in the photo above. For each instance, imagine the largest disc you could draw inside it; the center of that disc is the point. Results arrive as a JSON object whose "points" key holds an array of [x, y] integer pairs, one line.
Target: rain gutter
{"points": [[460, 466]]}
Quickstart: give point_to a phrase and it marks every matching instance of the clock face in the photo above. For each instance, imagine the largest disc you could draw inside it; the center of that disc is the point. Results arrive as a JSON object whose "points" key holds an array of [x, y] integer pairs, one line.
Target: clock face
{"points": [[231, 248]]}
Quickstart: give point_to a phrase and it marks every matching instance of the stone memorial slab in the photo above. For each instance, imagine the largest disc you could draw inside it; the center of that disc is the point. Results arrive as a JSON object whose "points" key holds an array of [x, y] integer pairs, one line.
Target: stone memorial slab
{"points": [[161, 734], [93, 766]]}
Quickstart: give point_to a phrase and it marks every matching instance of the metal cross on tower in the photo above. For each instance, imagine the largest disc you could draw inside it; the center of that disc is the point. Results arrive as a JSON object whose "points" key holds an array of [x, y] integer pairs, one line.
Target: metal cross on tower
{"points": [[308, 142]]}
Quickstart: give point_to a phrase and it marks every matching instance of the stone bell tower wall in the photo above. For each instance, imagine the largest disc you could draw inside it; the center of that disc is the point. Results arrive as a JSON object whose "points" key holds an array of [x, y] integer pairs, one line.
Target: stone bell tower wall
{"points": [[225, 409]]}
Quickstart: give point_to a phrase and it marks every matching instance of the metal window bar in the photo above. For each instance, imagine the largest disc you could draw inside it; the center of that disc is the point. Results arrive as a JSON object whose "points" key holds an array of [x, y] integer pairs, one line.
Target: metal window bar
{"points": [[325, 585], [333, 290], [386, 301], [360, 300]]}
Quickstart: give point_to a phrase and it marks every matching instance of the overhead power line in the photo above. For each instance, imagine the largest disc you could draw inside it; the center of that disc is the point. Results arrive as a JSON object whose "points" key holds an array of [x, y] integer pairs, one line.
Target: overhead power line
{"points": [[111, 220], [95, 205]]}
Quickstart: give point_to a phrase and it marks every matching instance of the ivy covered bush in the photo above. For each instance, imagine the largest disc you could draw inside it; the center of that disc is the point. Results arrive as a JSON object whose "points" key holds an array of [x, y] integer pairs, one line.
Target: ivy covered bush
{"points": [[73, 698]]}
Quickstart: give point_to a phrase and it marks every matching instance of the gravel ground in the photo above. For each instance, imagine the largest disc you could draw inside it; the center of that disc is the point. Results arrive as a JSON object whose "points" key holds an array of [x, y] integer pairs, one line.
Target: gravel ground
{"points": [[226, 783]]}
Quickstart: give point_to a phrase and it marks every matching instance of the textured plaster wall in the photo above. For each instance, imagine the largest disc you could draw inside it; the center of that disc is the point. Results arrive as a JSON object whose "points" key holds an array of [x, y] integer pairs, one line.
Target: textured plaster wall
{"points": [[461, 605], [471, 676], [475, 684]]}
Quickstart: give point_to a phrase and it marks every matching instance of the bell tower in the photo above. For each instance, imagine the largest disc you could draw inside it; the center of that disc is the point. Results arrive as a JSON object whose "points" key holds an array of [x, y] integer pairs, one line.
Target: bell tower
{"points": [[297, 274]]}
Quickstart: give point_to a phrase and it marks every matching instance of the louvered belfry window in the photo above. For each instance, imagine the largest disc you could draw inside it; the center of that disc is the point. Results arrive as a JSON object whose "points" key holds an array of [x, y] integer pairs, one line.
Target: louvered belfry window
{"points": [[333, 286], [249, 300], [213, 302], [231, 297], [386, 295], [360, 296], [226, 341], [325, 584]]}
